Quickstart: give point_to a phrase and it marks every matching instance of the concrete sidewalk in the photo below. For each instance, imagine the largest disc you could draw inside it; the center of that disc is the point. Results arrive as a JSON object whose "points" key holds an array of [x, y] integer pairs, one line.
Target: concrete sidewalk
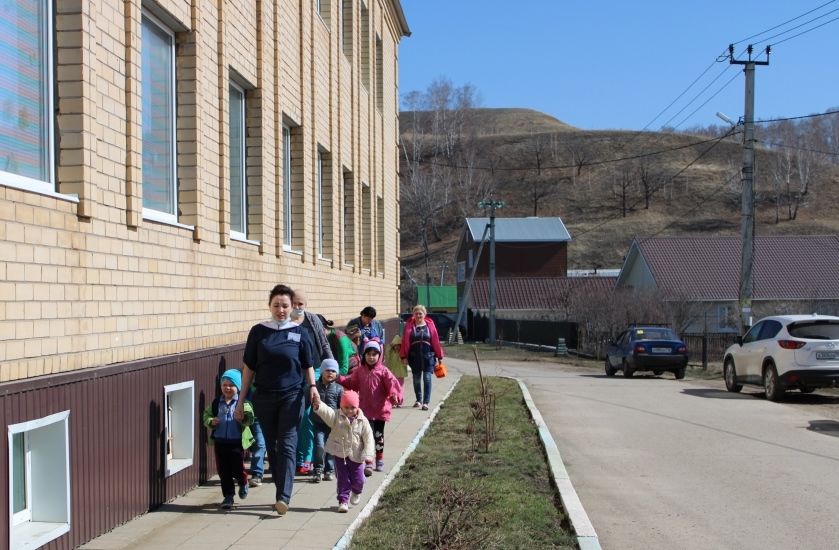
{"points": [[196, 522]]}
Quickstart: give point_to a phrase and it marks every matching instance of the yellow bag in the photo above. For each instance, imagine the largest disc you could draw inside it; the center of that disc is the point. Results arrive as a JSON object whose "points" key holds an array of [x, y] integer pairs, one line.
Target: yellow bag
{"points": [[440, 370]]}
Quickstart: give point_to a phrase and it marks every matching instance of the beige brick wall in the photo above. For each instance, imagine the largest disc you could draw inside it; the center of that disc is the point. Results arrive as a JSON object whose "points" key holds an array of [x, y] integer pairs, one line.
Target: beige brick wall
{"points": [[90, 283]]}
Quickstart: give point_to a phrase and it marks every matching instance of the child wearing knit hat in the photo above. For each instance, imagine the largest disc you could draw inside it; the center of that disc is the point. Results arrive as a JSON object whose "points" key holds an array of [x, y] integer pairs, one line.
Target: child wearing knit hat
{"points": [[230, 437], [379, 391], [350, 442], [330, 392]]}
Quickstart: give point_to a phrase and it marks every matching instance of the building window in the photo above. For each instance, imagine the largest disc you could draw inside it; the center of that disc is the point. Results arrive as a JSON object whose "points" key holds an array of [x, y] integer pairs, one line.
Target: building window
{"points": [[238, 164], [365, 46], [379, 75], [323, 7], [158, 108], [380, 235], [39, 474], [366, 228], [347, 27], [26, 96], [349, 218], [323, 198], [180, 425], [292, 188], [287, 185]]}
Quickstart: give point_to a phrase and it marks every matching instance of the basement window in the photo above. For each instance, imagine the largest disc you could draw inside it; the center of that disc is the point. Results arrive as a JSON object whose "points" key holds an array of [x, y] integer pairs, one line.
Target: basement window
{"points": [[39, 481], [180, 426]]}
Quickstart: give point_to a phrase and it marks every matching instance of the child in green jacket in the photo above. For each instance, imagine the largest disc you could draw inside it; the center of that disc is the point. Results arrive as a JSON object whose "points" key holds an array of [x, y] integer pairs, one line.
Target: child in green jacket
{"points": [[229, 437]]}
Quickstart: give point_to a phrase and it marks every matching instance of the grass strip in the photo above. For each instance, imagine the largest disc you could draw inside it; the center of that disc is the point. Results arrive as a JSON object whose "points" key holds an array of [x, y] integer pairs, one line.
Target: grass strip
{"points": [[451, 494]]}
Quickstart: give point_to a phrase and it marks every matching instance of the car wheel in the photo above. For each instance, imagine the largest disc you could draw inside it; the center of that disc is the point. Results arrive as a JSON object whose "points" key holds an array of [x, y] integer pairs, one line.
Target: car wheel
{"points": [[610, 370], [627, 370], [771, 384], [730, 376], [658, 372], [680, 373]]}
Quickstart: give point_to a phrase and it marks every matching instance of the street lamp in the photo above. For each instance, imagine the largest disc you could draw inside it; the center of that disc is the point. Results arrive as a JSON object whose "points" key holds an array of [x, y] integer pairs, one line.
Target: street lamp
{"points": [[493, 205]]}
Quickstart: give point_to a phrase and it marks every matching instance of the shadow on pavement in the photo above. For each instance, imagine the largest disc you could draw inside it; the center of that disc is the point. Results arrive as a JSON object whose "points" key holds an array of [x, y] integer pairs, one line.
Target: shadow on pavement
{"points": [[826, 427], [713, 393]]}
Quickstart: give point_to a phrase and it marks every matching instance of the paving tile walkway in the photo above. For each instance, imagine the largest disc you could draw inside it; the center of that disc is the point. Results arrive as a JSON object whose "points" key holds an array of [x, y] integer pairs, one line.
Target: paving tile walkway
{"points": [[195, 521]]}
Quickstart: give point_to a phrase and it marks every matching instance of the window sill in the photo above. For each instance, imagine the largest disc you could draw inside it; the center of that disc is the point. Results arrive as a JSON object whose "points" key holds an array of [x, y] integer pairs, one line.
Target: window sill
{"points": [[290, 250], [176, 465], [34, 186], [240, 237], [35, 534], [164, 218]]}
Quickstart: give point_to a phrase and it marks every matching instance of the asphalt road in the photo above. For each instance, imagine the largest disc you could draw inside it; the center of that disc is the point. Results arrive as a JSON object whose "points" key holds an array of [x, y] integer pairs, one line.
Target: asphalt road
{"points": [[666, 464]]}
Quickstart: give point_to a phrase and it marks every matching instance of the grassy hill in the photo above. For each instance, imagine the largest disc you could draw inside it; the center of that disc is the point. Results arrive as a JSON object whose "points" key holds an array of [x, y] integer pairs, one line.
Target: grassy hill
{"points": [[607, 186]]}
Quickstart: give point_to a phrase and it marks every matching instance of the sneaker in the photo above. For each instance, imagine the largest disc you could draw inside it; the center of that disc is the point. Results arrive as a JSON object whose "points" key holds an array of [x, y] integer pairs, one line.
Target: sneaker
{"points": [[380, 465], [343, 508], [424, 407], [316, 476], [368, 470], [304, 468], [354, 498], [255, 481], [281, 507], [243, 492], [328, 476], [227, 503], [417, 405]]}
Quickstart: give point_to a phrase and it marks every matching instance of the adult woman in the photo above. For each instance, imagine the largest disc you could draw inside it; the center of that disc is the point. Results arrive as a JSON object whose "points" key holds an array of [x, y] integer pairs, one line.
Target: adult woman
{"points": [[421, 349], [277, 360], [368, 325]]}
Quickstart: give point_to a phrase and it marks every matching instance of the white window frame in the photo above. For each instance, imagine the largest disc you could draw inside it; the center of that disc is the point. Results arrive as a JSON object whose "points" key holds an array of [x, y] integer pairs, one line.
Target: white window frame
{"points": [[180, 422], [243, 171], [47, 478], [150, 213], [26, 183], [288, 185], [319, 200]]}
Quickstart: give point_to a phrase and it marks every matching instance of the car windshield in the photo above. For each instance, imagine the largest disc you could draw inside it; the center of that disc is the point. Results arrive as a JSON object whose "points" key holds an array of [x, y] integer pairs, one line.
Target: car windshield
{"points": [[655, 333], [815, 330]]}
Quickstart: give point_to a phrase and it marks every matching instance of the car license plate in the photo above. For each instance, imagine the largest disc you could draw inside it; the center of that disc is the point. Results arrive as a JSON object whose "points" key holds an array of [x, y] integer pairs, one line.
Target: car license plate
{"points": [[661, 350], [827, 355]]}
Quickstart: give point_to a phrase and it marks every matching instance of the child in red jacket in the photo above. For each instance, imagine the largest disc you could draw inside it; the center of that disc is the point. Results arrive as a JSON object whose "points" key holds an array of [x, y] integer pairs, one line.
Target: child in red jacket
{"points": [[378, 391]]}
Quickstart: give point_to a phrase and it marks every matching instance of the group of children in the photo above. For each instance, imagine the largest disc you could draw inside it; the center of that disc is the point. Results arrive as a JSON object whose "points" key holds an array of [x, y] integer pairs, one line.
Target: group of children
{"points": [[348, 423]]}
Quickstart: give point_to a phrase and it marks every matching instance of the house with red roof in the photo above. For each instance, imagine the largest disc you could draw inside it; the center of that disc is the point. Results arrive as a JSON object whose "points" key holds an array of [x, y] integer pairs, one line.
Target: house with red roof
{"points": [[791, 274]]}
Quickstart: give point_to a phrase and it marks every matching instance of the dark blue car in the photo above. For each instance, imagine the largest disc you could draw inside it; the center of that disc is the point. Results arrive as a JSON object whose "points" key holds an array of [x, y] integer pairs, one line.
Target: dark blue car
{"points": [[647, 348]]}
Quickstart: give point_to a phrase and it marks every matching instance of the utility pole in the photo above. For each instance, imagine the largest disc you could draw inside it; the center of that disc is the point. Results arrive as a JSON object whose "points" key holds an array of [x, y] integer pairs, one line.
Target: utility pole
{"points": [[747, 202], [493, 205]]}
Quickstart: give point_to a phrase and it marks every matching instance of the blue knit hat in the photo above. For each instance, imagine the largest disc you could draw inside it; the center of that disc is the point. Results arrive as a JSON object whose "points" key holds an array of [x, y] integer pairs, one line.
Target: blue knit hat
{"points": [[329, 364], [235, 376]]}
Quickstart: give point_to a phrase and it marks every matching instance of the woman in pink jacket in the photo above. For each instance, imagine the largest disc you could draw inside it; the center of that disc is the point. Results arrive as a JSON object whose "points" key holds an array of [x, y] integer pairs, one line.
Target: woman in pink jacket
{"points": [[378, 391], [421, 350]]}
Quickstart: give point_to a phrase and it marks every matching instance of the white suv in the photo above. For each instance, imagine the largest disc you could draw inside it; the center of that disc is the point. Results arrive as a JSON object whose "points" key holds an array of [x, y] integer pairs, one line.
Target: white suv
{"points": [[783, 352]]}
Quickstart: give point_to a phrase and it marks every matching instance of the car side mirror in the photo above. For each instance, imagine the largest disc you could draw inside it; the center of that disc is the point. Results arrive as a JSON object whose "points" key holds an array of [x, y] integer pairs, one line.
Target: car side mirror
{"points": [[739, 340]]}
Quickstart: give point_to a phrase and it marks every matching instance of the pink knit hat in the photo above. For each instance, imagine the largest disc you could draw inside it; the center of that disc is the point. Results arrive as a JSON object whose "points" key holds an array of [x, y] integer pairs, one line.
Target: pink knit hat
{"points": [[349, 398]]}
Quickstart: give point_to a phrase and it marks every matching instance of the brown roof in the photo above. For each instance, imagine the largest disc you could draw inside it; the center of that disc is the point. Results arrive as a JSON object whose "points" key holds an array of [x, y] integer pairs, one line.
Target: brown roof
{"points": [[792, 267], [539, 293]]}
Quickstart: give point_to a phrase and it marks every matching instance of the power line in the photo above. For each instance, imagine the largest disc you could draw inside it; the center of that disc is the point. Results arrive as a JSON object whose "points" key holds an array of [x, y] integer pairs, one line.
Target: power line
{"points": [[585, 164], [814, 115], [671, 178], [806, 31], [702, 91], [784, 23], [715, 94]]}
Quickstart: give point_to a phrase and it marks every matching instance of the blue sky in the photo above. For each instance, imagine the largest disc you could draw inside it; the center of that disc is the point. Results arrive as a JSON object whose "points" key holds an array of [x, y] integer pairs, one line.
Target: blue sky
{"points": [[617, 64]]}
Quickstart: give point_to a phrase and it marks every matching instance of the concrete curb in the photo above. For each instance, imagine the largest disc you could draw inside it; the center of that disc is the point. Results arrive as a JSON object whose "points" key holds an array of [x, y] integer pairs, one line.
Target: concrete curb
{"points": [[365, 512], [586, 536]]}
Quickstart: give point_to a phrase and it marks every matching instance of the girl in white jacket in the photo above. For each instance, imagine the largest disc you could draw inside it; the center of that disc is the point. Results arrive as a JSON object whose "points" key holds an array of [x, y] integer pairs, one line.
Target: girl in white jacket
{"points": [[351, 443]]}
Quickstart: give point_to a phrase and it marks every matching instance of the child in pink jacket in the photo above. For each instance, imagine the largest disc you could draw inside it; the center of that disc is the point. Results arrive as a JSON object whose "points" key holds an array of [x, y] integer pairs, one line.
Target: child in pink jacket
{"points": [[378, 391]]}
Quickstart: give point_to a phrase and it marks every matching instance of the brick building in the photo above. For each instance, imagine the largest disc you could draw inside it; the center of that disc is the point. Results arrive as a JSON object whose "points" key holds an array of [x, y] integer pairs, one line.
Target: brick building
{"points": [[165, 163]]}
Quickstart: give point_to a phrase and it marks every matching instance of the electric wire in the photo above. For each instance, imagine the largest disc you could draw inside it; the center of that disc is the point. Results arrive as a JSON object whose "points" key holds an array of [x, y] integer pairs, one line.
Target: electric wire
{"points": [[806, 31], [784, 23], [610, 219], [715, 94]]}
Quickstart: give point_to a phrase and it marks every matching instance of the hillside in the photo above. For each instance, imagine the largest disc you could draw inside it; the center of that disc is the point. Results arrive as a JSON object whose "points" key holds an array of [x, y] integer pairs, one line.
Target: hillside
{"points": [[607, 186]]}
